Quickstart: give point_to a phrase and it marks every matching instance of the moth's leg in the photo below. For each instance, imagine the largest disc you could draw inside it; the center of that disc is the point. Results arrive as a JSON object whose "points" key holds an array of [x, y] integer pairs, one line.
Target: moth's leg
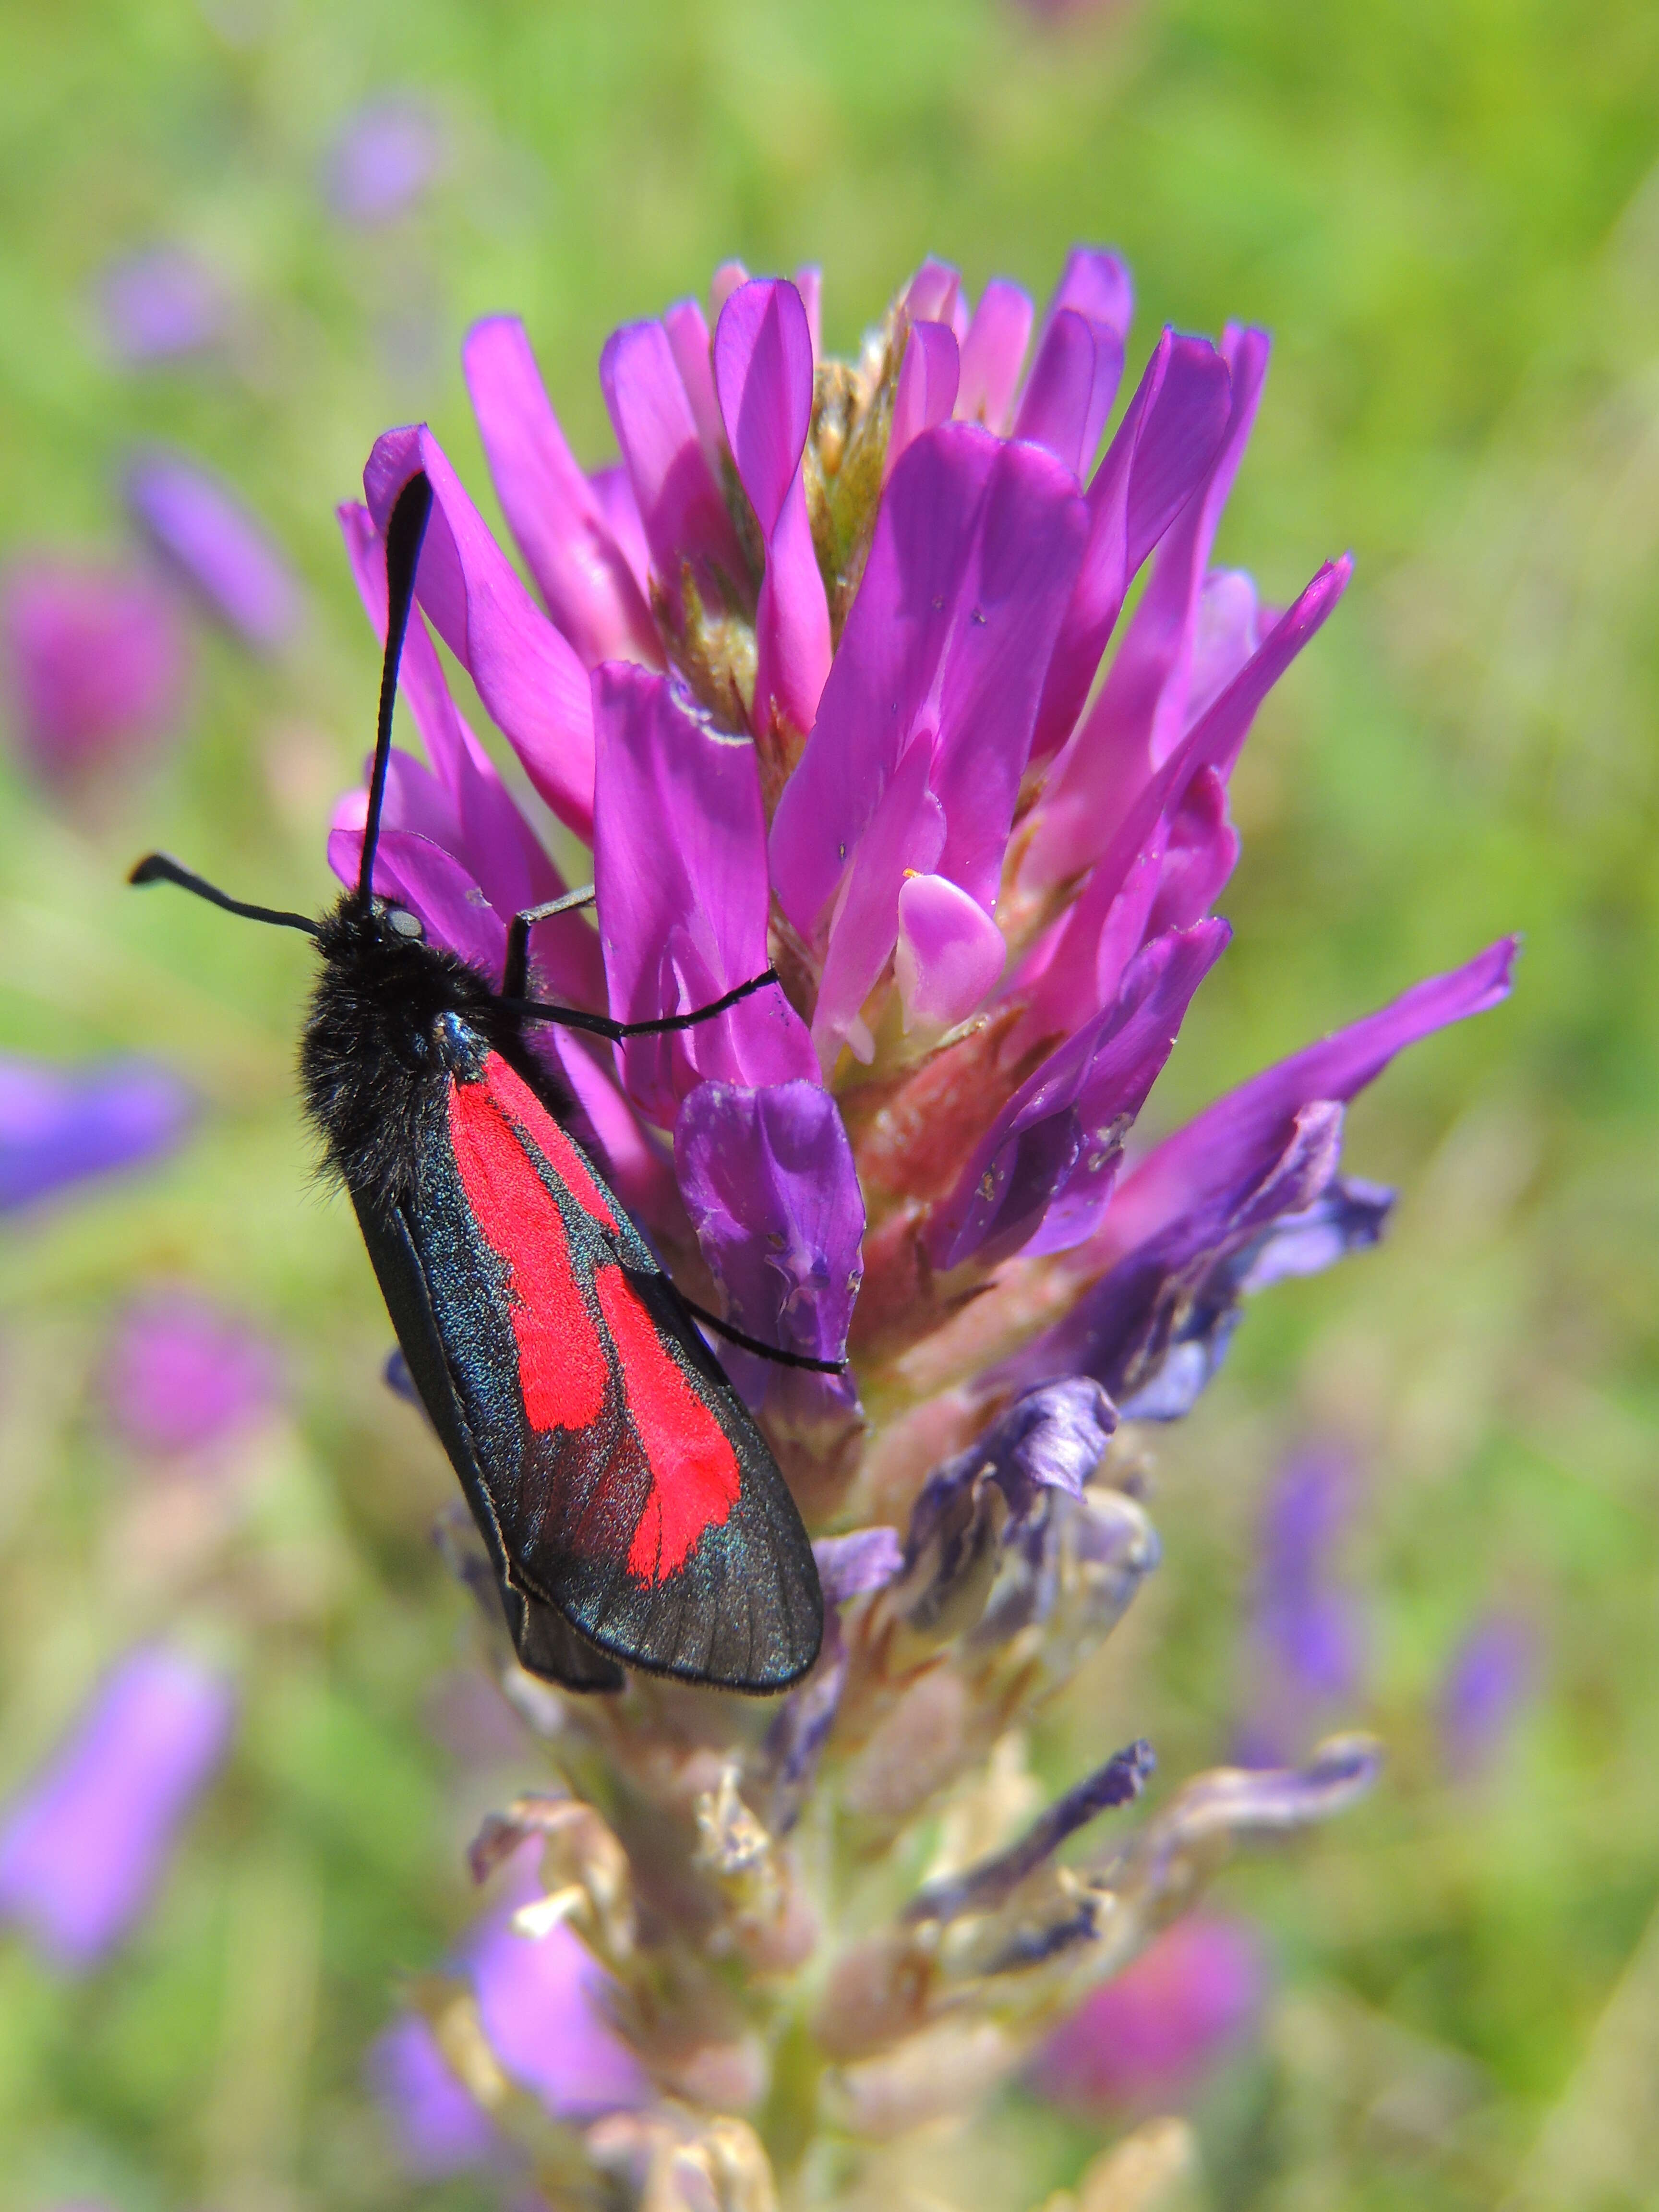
{"points": [[518, 936]]}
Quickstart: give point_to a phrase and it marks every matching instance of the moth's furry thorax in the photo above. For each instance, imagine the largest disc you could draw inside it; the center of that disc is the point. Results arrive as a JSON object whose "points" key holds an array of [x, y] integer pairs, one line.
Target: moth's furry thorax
{"points": [[372, 1060]]}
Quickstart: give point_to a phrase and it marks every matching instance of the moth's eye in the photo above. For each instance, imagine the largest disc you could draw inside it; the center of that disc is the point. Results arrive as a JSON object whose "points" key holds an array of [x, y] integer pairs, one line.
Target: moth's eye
{"points": [[402, 923]]}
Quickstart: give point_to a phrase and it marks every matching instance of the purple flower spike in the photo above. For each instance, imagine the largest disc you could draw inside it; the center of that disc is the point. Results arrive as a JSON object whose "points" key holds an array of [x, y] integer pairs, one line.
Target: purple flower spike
{"points": [[436, 2127], [382, 162], [555, 513], [1306, 1624], [1151, 2032], [97, 665], [181, 1375], [209, 539], [1044, 1171], [852, 1565], [1491, 1677], [528, 675], [680, 862], [764, 376], [84, 1847], [768, 1182], [158, 304], [542, 2004], [58, 1126]]}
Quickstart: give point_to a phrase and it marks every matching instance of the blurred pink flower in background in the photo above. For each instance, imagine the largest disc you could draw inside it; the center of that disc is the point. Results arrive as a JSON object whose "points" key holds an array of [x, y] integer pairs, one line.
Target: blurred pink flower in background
{"points": [[1150, 2034], [85, 1844], [181, 1373], [1491, 1679], [159, 303], [97, 664], [439, 2128], [384, 157], [209, 539]]}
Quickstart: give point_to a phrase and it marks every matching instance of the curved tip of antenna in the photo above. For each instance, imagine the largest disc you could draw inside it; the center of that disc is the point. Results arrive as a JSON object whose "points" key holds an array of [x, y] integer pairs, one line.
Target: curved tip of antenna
{"points": [[151, 870]]}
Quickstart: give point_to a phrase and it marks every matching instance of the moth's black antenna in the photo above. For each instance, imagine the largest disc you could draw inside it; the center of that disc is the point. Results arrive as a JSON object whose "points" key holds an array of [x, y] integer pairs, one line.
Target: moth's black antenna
{"points": [[162, 868], [404, 533]]}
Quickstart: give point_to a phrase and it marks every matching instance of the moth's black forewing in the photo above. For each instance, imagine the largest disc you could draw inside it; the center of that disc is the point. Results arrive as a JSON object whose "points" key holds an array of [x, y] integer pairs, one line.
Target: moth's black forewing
{"points": [[545, 1641]]}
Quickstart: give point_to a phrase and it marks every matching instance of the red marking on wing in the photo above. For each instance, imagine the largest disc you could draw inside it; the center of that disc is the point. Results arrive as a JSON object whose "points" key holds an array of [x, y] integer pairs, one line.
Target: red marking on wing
{"points": [[695, 1477], [513, 1096], [563, 1373]]}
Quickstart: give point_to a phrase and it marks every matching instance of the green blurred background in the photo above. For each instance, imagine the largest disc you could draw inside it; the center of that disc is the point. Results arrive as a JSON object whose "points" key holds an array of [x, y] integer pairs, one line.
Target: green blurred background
{"points": [[1447, 210]]}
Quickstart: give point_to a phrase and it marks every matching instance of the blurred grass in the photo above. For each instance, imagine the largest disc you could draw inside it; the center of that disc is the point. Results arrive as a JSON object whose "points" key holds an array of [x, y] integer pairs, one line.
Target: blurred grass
{"points": [[1449, 215]]}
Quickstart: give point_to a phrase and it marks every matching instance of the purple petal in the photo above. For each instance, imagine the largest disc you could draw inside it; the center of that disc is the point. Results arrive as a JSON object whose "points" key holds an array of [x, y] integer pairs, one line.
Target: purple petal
{"points": [[724, 283], [1149, 2033], [1075, 967], [161, 303], [58, 1126], [934, 294], [680, 504], [903, 838], [542, 2003], [411, 870], [809, 282], [552, 510], [1044, 1170], [680, 863], [613, 488], [850, 1566], [974, 549], [688, 341], [1163, 445], [530, 678], [181, 1373], [1098, 285], [768, 1180], [1187, 1171], [989, 1883], [210, 537], [436, 2127], [84, 1845], [1147, 702], [950, 952], [1348, 1216], [1070, 391], [382, 162], [927, 390], [763, 373], [993, 354], [1491, 1677], [97, 664], [491, 838]]}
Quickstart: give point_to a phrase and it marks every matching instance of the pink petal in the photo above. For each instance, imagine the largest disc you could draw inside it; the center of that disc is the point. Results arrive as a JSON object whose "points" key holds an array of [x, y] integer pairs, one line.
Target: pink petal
{"points": [[1072, 384], [809, 282], [993, 354], [905, 834], [949, 951], [550, 508], [926, 392], [680, 503], [530, 678], [934, 295], [410, 870], [688, 339], [726, 280]]}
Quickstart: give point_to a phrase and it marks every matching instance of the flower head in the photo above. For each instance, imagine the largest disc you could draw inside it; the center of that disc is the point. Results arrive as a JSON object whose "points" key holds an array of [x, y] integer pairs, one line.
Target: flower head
{"points": [[159, 303], [59, 1126], [1491, 1678], [82, 1846], [381, 161], [820, 671], [216, 546], [97, 665]]}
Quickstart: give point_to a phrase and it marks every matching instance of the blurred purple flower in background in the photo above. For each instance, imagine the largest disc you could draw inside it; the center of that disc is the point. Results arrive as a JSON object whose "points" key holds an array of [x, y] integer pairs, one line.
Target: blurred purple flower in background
{"points": [[541, 2002], [382, 160], [1489, 1679], [159, 303], [437, 2127], [1307, 1631], [59, 1126], [180, 1373], [207, 537], [83, 1845], [97, 664], [1150, 2035]]}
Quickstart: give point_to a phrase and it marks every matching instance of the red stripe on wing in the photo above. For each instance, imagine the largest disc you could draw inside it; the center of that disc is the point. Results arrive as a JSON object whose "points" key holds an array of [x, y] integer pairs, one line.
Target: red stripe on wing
{"points": [[515, 1098], [694, 1476], [563, 1373]]}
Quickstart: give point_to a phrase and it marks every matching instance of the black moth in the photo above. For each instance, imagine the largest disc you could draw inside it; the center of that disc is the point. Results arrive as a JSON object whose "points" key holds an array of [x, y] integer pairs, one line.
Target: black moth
{"points": [[632, 1510]]}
